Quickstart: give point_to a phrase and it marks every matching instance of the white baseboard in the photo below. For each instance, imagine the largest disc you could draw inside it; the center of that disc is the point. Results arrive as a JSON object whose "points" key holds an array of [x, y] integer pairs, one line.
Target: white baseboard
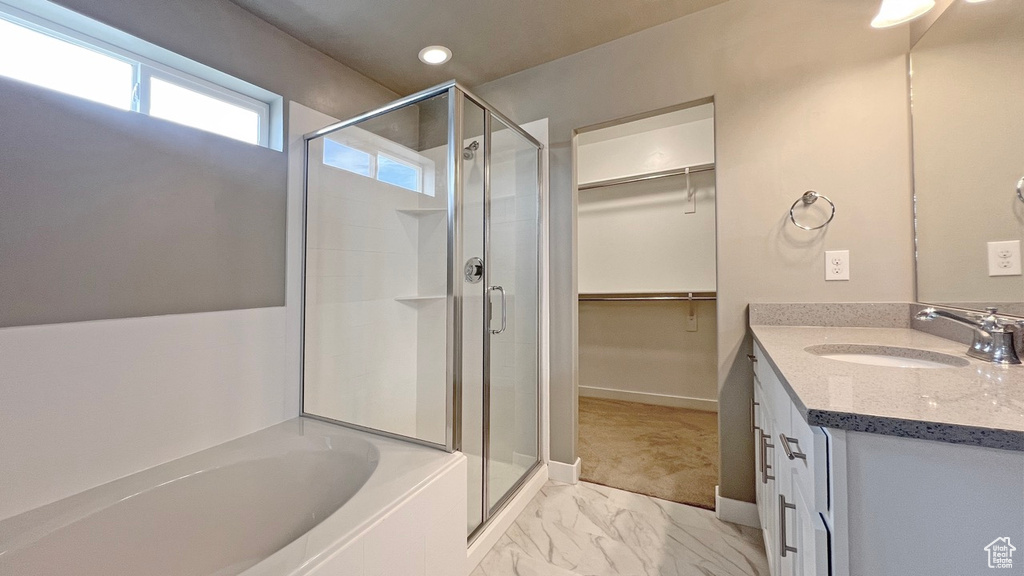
{"points": [[650, 398], [736, 511], [565, 473], [504, 519]]}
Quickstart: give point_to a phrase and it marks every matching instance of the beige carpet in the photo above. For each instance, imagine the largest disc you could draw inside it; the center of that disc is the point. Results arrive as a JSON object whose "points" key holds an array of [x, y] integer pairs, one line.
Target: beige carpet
{"points": [[668, 453]]}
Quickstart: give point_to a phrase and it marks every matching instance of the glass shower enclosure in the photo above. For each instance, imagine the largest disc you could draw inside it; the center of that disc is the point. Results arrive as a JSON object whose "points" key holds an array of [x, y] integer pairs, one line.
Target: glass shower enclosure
{"points": [[421, 284]]}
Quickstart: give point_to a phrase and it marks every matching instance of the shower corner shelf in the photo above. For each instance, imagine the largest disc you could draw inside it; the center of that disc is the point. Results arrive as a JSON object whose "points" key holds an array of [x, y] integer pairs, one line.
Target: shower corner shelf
{"points": [[415, 299], [421, 211]]}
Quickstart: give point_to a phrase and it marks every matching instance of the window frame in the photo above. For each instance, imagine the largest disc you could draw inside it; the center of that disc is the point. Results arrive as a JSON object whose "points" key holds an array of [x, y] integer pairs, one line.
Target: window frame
{"points": [[418, 168], [145, 69], [358, 147], [376, 146]]}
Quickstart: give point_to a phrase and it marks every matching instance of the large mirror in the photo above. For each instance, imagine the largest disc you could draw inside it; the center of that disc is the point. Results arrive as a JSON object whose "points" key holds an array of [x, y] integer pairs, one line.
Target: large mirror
{"points": [[967, 96]]}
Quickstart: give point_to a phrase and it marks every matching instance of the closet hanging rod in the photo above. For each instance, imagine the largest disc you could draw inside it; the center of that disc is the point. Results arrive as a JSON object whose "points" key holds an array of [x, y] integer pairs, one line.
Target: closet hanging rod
{"points": [[644, 177], [640, 297]]}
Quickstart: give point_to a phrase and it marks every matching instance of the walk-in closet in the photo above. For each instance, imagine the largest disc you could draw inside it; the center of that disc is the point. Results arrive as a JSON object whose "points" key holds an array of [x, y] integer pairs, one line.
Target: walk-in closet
{"points": [[647, 288]]}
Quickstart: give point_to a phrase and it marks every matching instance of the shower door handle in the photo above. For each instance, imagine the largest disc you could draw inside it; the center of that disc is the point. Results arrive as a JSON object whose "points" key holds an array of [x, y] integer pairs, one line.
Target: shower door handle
{"points": [[504, 319]]}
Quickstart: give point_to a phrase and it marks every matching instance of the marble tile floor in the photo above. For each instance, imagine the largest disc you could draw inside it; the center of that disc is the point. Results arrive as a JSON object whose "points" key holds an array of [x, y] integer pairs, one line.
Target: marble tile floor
{"points": [[593, 530]]}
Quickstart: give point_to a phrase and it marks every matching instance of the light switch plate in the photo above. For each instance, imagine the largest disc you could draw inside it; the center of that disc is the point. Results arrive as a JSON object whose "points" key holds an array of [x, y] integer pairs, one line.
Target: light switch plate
{"points": [[837, 265], [1004, 258]]}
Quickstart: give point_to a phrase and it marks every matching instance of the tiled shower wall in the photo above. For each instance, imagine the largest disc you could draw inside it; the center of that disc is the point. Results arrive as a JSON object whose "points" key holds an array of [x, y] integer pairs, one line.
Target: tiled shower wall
{"points": [[513, 228], [374, 302]]}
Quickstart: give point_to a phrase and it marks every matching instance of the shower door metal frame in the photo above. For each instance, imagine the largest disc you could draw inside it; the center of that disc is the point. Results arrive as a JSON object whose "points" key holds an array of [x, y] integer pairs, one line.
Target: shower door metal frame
{"points": [[488, 511], [485, 446], [454, 299]]}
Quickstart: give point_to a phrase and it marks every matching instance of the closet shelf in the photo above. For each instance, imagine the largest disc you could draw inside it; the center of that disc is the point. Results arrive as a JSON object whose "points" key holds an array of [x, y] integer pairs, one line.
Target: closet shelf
{"points": [[649, 176], [648, 296]]}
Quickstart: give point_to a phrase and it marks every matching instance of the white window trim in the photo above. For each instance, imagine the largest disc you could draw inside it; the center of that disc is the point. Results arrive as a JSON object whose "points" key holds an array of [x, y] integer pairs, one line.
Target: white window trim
{"points": [[148, 71], [49, 19]]}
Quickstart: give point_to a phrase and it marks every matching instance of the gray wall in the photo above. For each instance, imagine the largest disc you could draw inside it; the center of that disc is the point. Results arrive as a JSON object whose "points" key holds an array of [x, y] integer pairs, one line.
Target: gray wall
{"points": [[807, 96], [110, 214]]}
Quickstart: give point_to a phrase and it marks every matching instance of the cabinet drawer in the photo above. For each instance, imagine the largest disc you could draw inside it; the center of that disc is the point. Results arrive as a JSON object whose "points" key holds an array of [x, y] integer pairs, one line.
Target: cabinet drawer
{"points": [[804, 538], [776, 399], [762, 369], [767, 492], [811, 470], [759, 361], [756, 409]]}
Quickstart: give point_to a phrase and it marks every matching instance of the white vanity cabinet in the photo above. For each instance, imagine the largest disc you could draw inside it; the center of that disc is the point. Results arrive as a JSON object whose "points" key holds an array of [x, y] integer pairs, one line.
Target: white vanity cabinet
{"points": [[855, 503], [791, 491]]}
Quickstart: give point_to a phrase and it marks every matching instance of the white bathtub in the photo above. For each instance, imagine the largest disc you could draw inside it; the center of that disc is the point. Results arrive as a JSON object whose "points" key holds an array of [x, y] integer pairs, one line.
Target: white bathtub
{"points": [[302, 497]]}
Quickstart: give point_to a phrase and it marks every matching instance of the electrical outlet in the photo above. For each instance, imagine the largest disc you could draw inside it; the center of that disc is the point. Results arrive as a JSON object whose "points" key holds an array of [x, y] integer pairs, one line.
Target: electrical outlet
{"points": [[837, 265], [1004, 258]]}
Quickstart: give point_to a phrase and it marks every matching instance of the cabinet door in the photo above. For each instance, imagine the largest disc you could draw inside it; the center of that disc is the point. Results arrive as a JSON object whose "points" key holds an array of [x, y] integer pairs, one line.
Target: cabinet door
{"points": [[757, 418], [767, 480], [791, 485], [803, 536]]}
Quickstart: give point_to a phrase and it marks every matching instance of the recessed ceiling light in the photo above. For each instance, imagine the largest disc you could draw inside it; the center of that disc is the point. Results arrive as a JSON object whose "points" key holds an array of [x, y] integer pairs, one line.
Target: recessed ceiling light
{"points": [[435, 55], [895, 12]]}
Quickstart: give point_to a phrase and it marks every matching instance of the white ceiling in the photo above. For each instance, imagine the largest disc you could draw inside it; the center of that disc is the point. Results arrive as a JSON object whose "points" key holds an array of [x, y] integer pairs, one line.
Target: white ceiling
{"points": [[488, 38]]}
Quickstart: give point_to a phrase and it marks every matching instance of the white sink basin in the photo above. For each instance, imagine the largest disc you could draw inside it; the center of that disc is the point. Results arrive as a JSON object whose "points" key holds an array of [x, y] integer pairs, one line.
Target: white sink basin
{"points": [[888, 356]]}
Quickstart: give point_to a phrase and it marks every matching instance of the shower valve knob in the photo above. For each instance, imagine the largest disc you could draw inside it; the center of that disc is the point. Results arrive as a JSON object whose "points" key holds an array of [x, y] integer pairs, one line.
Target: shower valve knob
{"points": [[474, 270]]}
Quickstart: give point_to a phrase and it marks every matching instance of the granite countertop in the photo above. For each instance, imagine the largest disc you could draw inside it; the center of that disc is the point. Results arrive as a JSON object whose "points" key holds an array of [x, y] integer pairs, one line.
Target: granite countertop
{"points": [[980, 403]]}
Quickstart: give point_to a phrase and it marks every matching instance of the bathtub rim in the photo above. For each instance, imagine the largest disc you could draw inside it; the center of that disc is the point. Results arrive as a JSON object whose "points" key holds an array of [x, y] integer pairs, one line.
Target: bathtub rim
{"points": [[401, 470], [279, 563]]}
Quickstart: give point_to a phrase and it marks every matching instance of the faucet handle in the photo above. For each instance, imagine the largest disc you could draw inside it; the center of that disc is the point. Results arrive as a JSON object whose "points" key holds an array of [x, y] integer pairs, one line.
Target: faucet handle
{"points": [[995, 339], [989, 321], [992, 314], [1015, 326]]}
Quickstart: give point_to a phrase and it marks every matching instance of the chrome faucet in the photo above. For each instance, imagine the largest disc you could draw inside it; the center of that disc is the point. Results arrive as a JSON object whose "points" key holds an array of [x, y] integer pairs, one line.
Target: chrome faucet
{"points": [[993, 338]]}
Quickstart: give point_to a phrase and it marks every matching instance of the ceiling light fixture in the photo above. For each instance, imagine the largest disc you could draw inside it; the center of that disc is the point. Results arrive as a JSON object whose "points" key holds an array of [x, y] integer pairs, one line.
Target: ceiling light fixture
{"points": [[894, 12], [435, 55]]}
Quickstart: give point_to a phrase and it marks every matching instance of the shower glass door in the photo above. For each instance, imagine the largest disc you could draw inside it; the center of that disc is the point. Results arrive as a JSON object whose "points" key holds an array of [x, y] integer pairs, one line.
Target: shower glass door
{"points": [[512, 327], [421, 284], [472, 176], [499, 173]]}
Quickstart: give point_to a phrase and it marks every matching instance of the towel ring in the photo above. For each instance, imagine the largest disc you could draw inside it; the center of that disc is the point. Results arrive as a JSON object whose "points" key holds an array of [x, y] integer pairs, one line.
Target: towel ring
{"points": [[810, 197], [1020, 189]]}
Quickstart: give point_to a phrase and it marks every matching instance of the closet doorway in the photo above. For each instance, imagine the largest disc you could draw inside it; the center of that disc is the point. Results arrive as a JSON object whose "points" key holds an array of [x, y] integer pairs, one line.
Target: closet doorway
{"points": [[647, 285]]}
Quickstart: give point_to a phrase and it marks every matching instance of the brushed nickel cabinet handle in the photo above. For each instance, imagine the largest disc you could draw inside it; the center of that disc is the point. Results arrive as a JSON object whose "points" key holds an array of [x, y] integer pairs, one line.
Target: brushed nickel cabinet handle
{"points": [[783, 506], [765, 466], [790, 452], [753, 407], [764, 473]]}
